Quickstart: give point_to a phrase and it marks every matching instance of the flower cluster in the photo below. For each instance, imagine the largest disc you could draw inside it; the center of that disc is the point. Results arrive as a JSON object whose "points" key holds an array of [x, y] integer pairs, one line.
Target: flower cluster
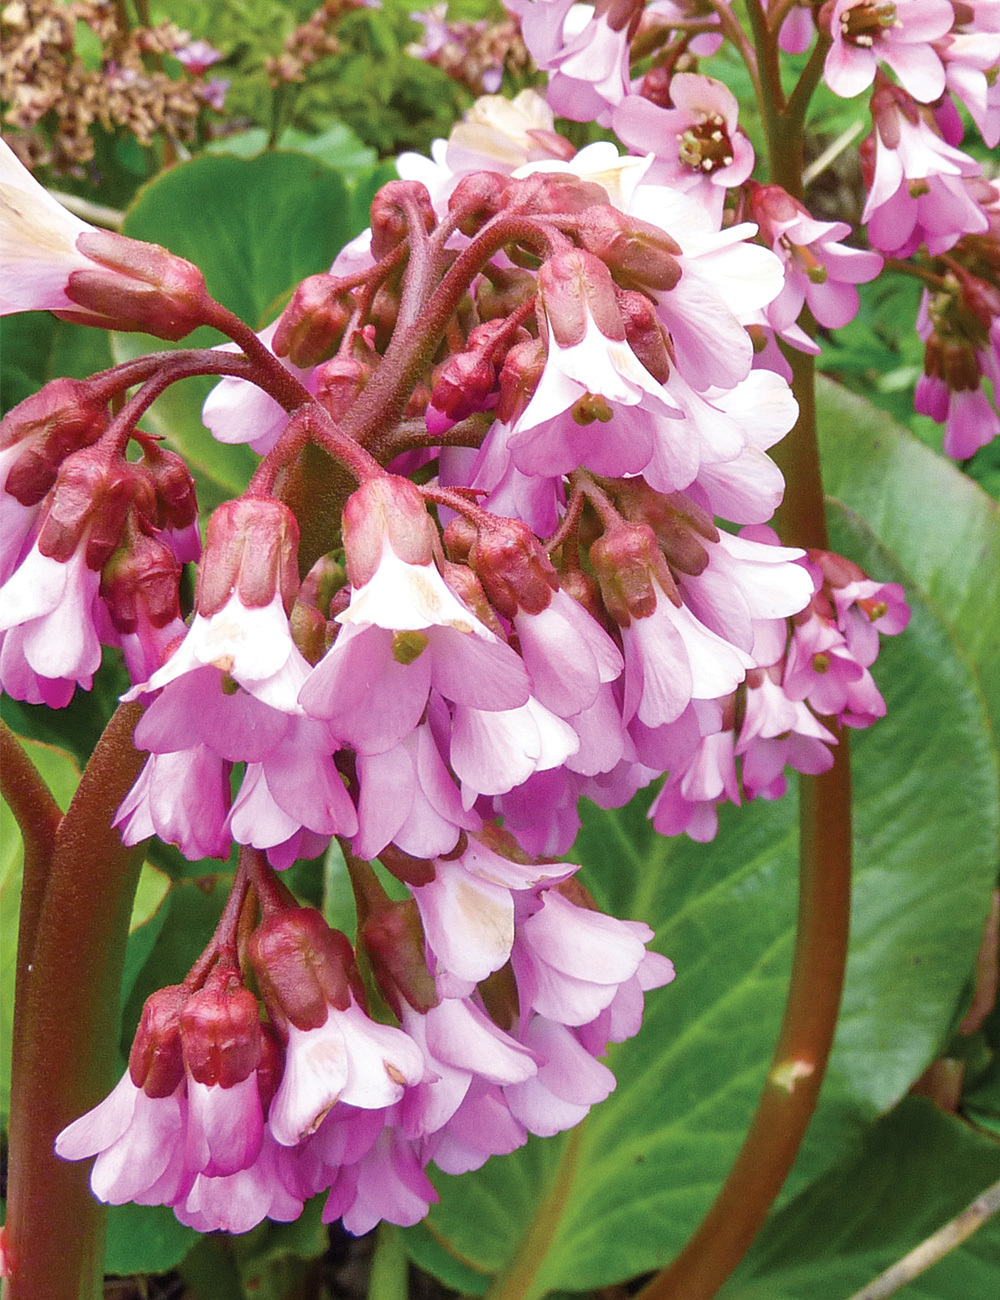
{"points": [[577, 350]]}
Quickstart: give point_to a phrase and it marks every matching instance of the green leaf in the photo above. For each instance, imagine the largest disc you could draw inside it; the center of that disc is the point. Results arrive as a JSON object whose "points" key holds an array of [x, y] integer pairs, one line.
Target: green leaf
{"points": [[35, 347], [917, 1169], [338, 146], [61, 775], [623, 1195], [145, 1239]]}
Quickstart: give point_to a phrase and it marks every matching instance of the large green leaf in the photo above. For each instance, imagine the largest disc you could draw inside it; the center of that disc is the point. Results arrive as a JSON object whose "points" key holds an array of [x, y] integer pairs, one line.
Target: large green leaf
{"points": [[623, 1196], [917, 1169]]}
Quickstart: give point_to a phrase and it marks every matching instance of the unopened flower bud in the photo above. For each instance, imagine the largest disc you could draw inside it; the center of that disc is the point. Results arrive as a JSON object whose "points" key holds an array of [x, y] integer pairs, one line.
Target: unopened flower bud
{"points": [[620, 14], [656, 85], [837, 570], [479, 198], [303, 967], [155, 1063], [271, 1067], [386, 509], [466, 382], [250, 549], [176, 495], [469, 590], [681, 526], [770, 206], [506, 289], [548, 193], [519, 378], [388, 214], [584, 590], [140, 581], [313, 323], [89, 501], [638, 254], [138, 286], [574, 287], [64, 416], [629, 565], [394, 940], [339, 383], [220, 1032], [513, 567], [644, 333]]}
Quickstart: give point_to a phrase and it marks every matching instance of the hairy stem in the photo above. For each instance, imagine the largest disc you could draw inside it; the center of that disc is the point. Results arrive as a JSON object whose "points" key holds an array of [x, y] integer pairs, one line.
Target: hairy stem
{"points": [[65, 1028]]}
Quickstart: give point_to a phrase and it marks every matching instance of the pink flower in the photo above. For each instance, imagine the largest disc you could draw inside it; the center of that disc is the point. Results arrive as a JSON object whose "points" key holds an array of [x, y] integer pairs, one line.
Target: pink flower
{"points": [[183, 797], [690, 797], [899, 34]]}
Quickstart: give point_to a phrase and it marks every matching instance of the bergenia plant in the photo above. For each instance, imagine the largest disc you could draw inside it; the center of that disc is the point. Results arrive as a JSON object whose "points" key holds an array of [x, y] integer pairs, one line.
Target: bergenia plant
{"points": [[535, 525]]}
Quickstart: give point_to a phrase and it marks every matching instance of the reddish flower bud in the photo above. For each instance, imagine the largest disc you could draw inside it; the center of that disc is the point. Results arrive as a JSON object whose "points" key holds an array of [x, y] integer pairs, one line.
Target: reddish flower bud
{"points": [[388, 214], [386, 509], [574, 286], [639, 255], [506, 289], [138, 286], [466, 382], [339, 383], [584, 590], [626, 561], [469, 590], [90, 500], [656, 85], [303, 967], [64, 416], [250, 549], [836, 569], [479, 198], [519, 378], [644, 333], [620, 14], [548, 193], [141, 580], [681, 526], [394, 940], [221, 1037], [173, 482], [155, 1063], [513, 567], [313, 323], [271, 1067], [770, 205]]}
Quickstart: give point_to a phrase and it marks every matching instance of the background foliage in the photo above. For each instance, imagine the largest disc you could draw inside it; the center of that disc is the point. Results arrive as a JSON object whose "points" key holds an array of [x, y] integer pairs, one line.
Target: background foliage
{"points": [[880, 1168]]}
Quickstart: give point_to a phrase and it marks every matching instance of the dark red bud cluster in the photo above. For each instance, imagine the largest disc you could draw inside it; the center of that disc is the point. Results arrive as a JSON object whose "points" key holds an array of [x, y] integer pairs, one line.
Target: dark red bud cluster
{"points": [[63, 417], [138, 286], [303, 968], [141, 581], [629, 566], [156, 1062], [656, 85], [638, 254], [339, 383], [512, 565], [391, 211], [221, 1037], [644, 333], [394, 940], [467, 381], [173, 488], [89, 504], [312, 325], [681, 526], [251, 547]]}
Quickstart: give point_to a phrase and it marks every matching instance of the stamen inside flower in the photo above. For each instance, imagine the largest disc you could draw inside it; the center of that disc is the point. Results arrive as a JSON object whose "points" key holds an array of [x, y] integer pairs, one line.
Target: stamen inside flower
{"points": [[821, 663], [591, 407], [861, 24], [705, 147]]}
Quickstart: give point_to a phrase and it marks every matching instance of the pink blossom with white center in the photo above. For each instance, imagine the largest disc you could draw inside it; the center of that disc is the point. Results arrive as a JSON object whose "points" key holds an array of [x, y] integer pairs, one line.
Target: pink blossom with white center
{"points": [[864, 610], [698, 144], [408, 797], [137, 1139], [238, 411], [970, 64], [899, 34], [567, 1083], [349, 1058], [295, 786], [569, 961], [183, 798], [672, 658], [779, 732], [818, 270], [404, 632], [969, 419], [745, 581], [460, 1043], [917, 192], [689, 800], [48, 609], [240, 1201], [481, 1127], [492, 751], [568, 655], [587, 59]]}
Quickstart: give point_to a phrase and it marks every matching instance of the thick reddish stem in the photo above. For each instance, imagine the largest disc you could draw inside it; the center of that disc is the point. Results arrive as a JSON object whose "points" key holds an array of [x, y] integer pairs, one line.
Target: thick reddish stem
{"points": [[65, 1027]]}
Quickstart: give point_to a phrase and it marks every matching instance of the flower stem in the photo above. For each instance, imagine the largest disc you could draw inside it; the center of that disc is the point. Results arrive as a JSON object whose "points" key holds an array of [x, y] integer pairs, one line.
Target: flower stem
{"points": [[65, 1023]]}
